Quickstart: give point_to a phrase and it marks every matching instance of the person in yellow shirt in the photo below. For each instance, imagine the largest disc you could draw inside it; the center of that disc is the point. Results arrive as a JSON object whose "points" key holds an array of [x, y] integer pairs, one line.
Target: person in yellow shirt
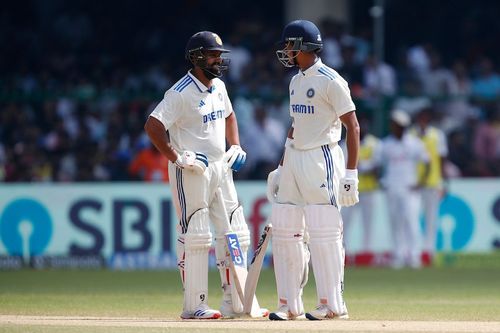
{"points": [[435, 143], [368, 183]]}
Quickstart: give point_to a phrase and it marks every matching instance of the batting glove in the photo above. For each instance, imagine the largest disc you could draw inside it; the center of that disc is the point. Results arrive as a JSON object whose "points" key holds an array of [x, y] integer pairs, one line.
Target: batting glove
{"points": [[193, 161], [273, 181], [348, 192], [235, 157]]}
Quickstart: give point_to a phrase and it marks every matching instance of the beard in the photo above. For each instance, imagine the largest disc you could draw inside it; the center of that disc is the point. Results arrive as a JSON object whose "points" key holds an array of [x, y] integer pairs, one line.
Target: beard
{"points": [[212, 72]]}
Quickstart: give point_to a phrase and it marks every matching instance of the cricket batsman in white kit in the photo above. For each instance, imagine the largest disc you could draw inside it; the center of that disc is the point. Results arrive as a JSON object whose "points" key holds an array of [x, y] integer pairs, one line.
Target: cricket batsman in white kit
{"points": [[199, 118], [313, 183]]}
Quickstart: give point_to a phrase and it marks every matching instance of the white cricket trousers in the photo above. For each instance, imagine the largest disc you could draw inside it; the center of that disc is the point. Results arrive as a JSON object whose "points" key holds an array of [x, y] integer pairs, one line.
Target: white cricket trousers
{"points": [[191, 192], [404, 208], [311, 177]]}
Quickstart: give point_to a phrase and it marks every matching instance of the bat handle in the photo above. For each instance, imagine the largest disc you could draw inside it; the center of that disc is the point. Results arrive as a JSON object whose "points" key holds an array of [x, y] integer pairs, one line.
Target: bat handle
{"points": [[224, 210]]}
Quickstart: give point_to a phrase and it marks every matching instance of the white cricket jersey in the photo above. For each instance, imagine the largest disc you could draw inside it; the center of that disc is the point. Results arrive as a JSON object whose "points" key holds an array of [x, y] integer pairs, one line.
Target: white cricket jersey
{"points": [[399, 159], [318, 97], [195, 116]]}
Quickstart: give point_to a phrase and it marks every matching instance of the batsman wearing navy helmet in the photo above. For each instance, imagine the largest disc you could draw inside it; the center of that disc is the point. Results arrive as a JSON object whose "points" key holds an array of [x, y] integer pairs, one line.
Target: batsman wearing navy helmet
{"points": [[314, 181], [198, 115]]}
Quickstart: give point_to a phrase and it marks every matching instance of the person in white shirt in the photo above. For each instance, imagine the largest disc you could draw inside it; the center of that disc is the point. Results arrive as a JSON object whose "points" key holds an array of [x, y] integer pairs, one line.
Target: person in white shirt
{"points": [[399, 156], [198, 115], [313, 183]]}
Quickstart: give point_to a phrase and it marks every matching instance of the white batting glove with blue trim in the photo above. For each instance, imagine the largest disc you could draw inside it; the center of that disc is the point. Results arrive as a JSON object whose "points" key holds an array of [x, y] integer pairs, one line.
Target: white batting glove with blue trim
{"points": [[194, 161], [235, 157], [348, 191]]}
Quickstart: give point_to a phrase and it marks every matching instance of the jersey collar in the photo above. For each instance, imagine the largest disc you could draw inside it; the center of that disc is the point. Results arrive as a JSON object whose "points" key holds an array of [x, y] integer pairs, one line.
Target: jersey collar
{"points": [[201, 87], [312, 69]]}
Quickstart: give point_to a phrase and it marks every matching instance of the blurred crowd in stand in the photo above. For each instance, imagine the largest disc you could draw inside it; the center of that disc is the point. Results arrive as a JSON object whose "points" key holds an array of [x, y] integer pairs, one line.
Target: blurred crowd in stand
{"points": [[74, 110]]}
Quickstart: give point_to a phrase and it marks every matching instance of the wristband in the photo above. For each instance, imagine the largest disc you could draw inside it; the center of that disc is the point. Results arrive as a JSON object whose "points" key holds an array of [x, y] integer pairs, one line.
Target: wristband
{"points": [[351, 173]]}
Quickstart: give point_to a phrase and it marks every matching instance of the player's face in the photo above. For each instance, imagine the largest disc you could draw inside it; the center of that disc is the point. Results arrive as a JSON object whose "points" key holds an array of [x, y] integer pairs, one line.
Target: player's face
{"points": [[213, 57], [213, 63]]}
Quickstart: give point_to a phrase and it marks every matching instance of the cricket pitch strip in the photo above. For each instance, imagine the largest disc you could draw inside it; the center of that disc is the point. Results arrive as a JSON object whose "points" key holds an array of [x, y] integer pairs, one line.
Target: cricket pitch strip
{"points": [[253, 325]]}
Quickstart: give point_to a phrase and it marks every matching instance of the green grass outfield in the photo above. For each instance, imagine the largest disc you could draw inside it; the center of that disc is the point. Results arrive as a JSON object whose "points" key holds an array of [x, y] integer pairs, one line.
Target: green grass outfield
{"points": [[468, 293]]}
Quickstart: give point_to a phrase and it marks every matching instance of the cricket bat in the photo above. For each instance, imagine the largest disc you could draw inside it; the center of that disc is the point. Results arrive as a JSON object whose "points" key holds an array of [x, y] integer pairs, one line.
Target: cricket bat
{"points": [[250, 304], [237, 265]]}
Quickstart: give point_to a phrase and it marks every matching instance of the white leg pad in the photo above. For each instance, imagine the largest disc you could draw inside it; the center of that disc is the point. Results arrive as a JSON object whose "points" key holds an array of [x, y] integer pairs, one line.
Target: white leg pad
{"points": [[181, 255], [324, 225], [290, 255], [240, 228], [197, 241]]}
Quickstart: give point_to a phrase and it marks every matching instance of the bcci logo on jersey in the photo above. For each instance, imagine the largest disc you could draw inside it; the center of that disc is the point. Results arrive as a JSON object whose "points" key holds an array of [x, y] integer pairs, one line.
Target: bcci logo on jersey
{"points": [[235, 250]]}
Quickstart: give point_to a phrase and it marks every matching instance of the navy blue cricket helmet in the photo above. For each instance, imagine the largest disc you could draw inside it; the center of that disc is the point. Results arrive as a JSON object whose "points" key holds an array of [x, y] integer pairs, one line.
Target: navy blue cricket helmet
{"points": [[299, 35], [204, 40], [195, 52]]}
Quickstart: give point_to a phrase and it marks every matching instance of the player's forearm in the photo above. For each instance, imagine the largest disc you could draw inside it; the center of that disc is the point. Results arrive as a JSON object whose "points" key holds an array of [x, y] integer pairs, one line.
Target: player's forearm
{"points": [[352, 150], [232, 134], [352, 139], [287, 142], [158, 136]]}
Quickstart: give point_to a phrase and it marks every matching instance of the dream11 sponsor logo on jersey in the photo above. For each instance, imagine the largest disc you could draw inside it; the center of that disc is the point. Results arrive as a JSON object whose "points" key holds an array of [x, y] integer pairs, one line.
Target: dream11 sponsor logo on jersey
{"points": [[27, 228], [301, 108], [212, 116]]}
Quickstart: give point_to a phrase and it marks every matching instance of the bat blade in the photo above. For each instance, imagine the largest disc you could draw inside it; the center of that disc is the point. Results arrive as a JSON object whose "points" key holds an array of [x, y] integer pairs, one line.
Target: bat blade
{"points": [[250, 304], [237, 264]]}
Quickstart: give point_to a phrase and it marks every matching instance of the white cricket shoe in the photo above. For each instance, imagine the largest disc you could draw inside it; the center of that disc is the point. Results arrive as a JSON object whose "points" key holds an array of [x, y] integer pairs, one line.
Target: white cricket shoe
{"points": [[322, 312], [284, 314], [227, 311], [202, 312]]}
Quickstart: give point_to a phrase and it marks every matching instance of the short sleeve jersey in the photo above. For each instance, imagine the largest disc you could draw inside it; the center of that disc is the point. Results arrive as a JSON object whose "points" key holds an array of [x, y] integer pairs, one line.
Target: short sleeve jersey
{"points": [[194, 116], [318, 97]]}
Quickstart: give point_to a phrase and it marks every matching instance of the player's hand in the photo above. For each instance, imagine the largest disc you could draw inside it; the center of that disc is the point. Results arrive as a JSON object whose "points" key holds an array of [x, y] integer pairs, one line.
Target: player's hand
{"points": [[348, 192], [273, 181], [235, 157], [194, 161]]}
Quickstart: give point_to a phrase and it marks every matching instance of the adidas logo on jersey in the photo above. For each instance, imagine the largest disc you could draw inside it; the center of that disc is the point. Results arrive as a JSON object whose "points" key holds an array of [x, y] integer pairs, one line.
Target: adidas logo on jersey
{"points": [[201, 103], [322, 185]]}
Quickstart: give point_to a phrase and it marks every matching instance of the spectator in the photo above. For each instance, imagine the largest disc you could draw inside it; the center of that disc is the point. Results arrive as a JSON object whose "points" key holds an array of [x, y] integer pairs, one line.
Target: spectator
{"points": [[486, 87], [263, 143], [149, 165]]}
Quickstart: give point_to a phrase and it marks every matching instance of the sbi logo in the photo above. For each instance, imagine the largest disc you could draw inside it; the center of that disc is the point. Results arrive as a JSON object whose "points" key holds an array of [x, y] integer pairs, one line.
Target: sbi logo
{"points": [[25, 227], [455, 224]]}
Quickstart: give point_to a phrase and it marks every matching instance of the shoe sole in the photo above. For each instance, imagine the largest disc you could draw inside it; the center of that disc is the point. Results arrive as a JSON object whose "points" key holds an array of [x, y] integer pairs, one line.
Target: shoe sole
{"points": [[311, 317], [274, 316], [215, 316]]}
